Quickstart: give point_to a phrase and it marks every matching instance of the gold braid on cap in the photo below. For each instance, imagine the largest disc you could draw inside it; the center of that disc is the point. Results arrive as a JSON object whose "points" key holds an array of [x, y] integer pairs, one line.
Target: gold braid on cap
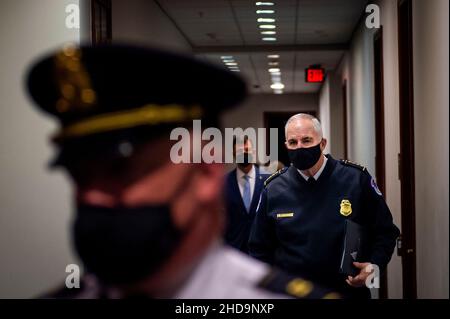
{"points": [[150, 114], [76, 94], [73, 81]]}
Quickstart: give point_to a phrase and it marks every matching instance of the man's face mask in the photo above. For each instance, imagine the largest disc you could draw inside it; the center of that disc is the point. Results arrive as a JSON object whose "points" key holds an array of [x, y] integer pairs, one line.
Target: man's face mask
{"points": [[124, 245], [305, 158], [244, 158]]}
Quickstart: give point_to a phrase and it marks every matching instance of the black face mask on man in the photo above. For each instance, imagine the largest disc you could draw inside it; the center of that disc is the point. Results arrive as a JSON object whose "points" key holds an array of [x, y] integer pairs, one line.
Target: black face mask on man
{"points": [[244, 158], [123, 245], [304, 158]]}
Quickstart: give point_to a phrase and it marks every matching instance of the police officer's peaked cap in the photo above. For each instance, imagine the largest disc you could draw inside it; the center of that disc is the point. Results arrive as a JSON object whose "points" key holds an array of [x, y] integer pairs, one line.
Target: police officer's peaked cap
{"points": [[96, 90]]}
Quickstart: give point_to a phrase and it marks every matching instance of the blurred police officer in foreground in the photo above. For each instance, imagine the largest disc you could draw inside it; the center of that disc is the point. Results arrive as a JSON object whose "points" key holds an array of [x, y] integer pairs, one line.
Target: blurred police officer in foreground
{"points": [[301, 222], [243, 187], [144, 226]]}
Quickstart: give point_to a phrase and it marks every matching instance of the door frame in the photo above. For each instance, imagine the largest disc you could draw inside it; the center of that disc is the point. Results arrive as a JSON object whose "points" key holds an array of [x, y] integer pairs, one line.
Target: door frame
{"points": [[101, 21], [380, 157], [344, 117], [407, 247]]}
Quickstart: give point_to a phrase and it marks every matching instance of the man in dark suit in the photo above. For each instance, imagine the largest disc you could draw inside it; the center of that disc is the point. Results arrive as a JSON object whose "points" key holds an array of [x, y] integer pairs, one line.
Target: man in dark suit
{"points": [[243, 187]]}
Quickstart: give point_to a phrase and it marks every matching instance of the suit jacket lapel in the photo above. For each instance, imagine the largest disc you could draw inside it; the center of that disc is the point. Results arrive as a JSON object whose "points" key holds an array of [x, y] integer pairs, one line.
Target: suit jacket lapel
{"points": [[236, 193], [259, 183]]}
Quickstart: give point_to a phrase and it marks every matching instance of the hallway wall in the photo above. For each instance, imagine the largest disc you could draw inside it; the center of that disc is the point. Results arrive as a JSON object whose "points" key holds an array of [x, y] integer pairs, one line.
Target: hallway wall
{"points": [[357, 68], [332, 114], [324, 111], [431, 104], [250, 114], [430, 52], [388, 11], [35, 208]]}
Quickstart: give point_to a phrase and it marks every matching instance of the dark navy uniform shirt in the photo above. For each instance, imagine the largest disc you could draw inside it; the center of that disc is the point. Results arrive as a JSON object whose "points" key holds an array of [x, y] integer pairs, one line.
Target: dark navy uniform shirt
{"points": [[300, 227]]}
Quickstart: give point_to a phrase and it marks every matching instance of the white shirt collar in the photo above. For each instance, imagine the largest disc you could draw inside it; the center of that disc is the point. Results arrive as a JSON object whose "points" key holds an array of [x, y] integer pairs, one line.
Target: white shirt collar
{"points": [[317, 175], [251, 173]]}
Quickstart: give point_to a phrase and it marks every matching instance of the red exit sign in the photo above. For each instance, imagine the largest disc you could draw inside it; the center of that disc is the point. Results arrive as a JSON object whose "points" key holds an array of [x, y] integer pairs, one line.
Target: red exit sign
{"points": [[315, 75]]}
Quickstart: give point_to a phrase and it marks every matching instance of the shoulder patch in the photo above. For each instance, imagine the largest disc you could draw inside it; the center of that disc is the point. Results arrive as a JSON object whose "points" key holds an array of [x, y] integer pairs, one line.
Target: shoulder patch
{"points": [[276, 174], [353, 164], [278, 281], [375, 186]]}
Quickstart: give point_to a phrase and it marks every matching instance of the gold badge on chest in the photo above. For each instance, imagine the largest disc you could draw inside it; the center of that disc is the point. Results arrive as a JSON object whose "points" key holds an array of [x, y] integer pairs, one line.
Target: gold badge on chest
{"points": [[346, 207]]}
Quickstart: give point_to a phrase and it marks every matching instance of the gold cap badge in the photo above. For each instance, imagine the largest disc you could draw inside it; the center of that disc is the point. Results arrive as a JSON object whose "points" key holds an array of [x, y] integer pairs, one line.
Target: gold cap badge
{"points": [[346, 207]]}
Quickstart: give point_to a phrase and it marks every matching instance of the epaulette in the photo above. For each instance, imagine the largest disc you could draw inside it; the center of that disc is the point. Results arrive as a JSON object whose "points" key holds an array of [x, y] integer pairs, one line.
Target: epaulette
{"points": [[277, 173], [353, 164], [280, 282]]}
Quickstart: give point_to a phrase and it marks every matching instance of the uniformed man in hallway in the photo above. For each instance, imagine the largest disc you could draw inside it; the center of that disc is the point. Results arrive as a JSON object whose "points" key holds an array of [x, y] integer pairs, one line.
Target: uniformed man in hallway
{"points": [[243, 187], [145, 226], [301, 223]]}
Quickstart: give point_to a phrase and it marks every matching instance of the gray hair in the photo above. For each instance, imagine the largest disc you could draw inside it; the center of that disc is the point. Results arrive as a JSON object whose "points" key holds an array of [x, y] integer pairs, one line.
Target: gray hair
{"points": [[304, 116]]}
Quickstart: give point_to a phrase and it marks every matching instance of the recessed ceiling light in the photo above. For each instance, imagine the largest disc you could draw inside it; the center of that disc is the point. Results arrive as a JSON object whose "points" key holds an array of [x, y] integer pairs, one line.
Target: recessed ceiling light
{"points": [[278, 91], [228, 60], [264, 3], [226, 57], [266, 20], [267, 26], [231, 63], [272, 70], [269, 39], [265, 11], [277, 86], [268, 32], [273, 56], [273, 63]]}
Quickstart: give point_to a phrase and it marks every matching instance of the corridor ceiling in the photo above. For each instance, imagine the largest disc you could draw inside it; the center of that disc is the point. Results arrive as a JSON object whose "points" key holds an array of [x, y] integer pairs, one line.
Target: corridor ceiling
{"points": [[301, 33]]}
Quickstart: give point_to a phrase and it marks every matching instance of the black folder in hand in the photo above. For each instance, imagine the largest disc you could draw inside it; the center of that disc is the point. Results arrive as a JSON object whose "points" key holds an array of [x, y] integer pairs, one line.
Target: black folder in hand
{"points": [[353, 247]]}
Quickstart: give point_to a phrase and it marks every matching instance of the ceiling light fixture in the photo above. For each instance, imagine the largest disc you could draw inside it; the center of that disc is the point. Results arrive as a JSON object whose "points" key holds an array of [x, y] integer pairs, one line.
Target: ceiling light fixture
{"points": [[264, 3], [226, 57], [277, 86], [268, 32], [269, 39], [273, 56], [266, 20], [265, 11], [274, 70], [231, 63], [267, 26]]}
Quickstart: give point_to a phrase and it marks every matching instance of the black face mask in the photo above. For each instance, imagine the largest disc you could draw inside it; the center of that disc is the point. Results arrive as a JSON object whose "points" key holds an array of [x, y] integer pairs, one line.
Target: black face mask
{"points": [[124, 245], [305, 158], [244, 158]]}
